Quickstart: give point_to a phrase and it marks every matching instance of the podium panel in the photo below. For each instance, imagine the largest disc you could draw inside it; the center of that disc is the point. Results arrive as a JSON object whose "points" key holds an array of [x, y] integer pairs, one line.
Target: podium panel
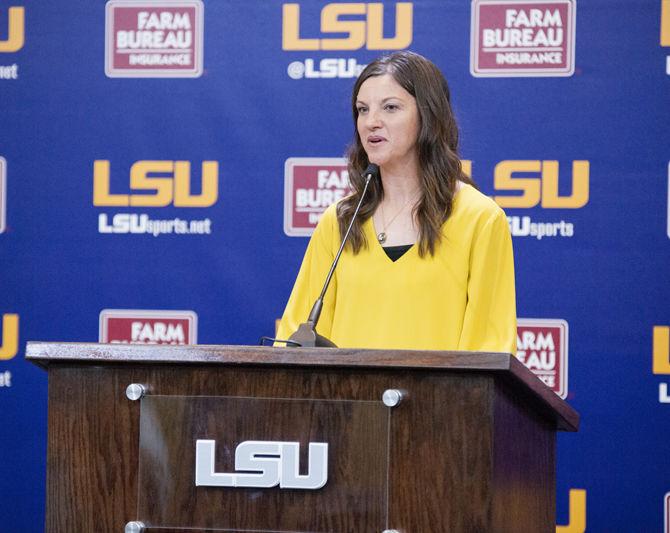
{"points": [[261, 464], [469, 448]]}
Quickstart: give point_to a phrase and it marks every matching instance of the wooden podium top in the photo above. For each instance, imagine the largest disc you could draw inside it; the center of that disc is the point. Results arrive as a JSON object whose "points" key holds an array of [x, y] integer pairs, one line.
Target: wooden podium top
{"points": [[506, 365]]}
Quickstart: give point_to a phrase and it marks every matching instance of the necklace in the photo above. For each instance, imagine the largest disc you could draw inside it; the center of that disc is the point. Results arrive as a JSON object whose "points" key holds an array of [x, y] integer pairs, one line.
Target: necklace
{"points": [[381, 236]]}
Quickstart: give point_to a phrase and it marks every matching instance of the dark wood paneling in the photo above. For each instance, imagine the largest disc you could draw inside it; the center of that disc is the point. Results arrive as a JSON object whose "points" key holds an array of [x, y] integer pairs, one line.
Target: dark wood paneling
{"points": [[563, 416], [524, 478], [470, 450]]}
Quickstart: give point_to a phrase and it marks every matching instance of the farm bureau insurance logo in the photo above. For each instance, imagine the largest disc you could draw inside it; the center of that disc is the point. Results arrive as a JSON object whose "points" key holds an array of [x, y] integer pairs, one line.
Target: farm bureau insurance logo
{"points": [[522, 38], [172, 186], [154, 39], [13, 40], [355, 26], [138, 326], [3, 194], [538, 183], [542, 345], [311, 184]]}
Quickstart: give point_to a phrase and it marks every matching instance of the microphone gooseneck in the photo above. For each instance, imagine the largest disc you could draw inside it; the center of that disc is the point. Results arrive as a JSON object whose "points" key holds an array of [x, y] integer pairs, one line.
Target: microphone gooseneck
{"points": [[306, 334]]}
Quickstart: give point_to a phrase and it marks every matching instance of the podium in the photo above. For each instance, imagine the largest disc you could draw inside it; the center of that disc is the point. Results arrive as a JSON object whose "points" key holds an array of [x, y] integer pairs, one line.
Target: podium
{"points": [[236, 438]]}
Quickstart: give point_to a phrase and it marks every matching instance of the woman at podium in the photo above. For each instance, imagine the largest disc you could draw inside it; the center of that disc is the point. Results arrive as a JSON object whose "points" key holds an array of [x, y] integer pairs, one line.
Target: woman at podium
{"points": [[428, 263]]}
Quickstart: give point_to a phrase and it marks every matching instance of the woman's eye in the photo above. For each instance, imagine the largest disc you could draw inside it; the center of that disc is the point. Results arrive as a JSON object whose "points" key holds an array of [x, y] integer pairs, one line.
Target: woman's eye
{"points": [[391, 107], [362, 110]]}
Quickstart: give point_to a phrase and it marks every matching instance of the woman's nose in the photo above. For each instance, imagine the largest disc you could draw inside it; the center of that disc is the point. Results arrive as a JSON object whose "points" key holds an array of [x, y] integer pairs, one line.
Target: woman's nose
{"points": [[372, 120]]}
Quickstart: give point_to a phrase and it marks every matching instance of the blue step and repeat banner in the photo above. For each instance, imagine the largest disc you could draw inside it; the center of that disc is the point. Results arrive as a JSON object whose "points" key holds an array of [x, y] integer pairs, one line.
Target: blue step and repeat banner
{"points": [[163, 163]]}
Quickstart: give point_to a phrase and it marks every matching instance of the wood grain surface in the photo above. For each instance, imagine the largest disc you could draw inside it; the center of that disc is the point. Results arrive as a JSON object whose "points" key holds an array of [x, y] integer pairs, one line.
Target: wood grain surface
{"points": [[567, 419], [471, 449]]}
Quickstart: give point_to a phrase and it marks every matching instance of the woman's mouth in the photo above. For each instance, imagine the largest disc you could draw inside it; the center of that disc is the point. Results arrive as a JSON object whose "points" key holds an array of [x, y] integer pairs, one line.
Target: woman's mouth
{"points": [[375, 140]]}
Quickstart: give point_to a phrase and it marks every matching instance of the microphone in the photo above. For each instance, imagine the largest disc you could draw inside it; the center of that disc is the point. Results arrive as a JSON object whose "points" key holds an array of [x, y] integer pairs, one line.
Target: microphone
{"points": [[306, 334]]}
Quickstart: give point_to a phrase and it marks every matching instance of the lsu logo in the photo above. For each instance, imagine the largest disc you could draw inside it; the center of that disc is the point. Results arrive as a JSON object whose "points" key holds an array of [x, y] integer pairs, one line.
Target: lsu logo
{"points": [[3, 193], [661, 359], [542, 345], [543, 189], [367, 30], [15, 31], [134, 326], [272, 463], [665, 22], [10, 336], [172, 187], [311, 184], [577, 520]]}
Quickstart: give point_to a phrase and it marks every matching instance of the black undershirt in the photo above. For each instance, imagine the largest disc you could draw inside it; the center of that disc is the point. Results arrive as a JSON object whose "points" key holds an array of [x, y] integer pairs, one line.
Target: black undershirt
{"points": [[396, 252]]}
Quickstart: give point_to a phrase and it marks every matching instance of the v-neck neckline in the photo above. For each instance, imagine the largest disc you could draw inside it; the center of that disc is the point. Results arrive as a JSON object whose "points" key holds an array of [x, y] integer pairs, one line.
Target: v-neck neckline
{"points": [[379, 249], [371, 234]]}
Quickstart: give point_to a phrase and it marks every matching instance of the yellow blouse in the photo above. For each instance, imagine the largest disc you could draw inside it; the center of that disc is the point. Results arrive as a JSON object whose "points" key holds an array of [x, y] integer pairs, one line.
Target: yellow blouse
{"points": [[461, 298]]}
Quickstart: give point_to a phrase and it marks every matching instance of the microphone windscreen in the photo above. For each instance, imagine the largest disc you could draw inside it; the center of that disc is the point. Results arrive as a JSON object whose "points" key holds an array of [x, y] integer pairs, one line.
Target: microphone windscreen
{"points": [[372, 169]]}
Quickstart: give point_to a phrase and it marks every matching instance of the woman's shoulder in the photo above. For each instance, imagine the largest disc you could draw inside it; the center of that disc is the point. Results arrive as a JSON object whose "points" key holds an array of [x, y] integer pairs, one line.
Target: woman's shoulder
{"points": [[471, 202], [327, 226]]}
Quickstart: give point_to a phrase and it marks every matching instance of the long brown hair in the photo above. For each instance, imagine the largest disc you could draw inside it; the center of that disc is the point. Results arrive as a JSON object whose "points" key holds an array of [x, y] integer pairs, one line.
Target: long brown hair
{"points": [[437, 149]]}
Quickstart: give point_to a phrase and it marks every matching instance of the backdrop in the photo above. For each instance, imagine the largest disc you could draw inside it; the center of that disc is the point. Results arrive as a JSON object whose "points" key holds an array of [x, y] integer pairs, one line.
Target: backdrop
{"points": [[163, 162]]}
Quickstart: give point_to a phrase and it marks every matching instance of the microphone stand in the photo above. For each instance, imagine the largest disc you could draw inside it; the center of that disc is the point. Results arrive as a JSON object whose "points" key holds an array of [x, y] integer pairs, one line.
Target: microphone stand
{"points": [[306, 335]]}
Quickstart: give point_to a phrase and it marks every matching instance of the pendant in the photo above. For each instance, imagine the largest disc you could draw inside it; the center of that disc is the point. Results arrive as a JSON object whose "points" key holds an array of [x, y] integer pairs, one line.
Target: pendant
{"points": [[381, 237]]}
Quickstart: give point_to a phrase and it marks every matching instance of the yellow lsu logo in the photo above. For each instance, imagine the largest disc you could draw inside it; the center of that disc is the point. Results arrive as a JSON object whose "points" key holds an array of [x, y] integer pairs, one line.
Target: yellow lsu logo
{"points": [[661, 350], [542, 189], [16, 30], [368, 32], [10, 336], [577, 520], [173, 186], [665, 22]]}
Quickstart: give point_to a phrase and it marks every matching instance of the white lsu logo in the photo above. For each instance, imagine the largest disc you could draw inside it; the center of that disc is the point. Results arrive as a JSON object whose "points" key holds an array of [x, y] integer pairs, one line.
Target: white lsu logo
{"points": [[276, 463]]}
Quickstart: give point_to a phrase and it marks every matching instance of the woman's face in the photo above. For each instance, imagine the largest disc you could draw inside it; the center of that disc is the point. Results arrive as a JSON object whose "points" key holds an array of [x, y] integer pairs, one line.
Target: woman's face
{"points": [[388, 122]]}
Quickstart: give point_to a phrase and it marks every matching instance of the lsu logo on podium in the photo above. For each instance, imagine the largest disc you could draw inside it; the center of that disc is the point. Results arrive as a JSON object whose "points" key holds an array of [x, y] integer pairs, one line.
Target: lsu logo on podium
{"points": [[137, 326], [343, 27], [10, 336], [154, 39], [172, 188], [15, 30], [311, 184], [542, 345], [661, 359]]}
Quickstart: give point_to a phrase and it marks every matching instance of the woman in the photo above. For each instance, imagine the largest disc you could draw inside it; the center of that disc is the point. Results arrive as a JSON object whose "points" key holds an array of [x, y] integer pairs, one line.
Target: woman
{"points": [[429, 261]]}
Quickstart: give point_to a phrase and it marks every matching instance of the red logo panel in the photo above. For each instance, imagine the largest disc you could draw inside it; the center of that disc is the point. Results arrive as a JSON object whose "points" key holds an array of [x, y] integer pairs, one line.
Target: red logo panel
{"points": [[542, 345], [522, 38], [154, 39], [133, 326], [311, 184]]}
